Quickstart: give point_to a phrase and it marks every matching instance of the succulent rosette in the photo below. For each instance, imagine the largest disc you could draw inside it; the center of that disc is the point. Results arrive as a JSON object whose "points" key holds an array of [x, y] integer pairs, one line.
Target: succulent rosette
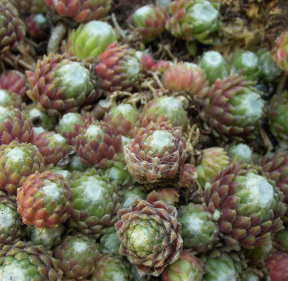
{"points": [[97, 144], [169, 196], [37, 26], [14, 81], [280, 241], [188, 267], [17, 162], [130, 194], [166, 108], [95, 204], [151, 21], [77, 255], [155, 153], [81, 10], [9, 99], [52, 146], [25, 261], [44, 200], [213, 161], [124, 117], [240, 152], [11, 229], [187, 176], [233, 109], [89, 40], [276, 267], [199, 230], [110, 243], [60, 85], [193, 20], [13, 29], [247, 203], [151, 235], [118, 69], [277, 118], [110, 267], [29, 7], [280, 55], [188, 77]]}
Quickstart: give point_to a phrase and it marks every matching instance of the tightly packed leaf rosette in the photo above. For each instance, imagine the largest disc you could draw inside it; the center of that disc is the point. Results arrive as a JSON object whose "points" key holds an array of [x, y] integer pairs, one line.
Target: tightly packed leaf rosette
{"points": [[29, 7], [37, 26], [25, 261], [193, 20], [277, 118], [81, 10], [277, 267], [188, 77], [247, 203], [95, 204], [156, 152], [14, 81], [77, 255], [97, 144], [281, 53], [44, 200], [61, 85], [11, 228], [118, 69], [233, 109], [17, 162], [10, 99], [151, 235], [52, 146], [187, 176], [112, 267], [151, 21], [12, 28], [124, 117]]}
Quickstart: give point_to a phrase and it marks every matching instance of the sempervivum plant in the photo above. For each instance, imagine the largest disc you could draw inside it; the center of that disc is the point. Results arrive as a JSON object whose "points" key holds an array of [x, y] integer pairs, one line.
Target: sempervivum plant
{"points": [[52, 146], [13, 29], [124, 117], [248, 205], [151, 21], [11, 229], [89, 40], [280, 241], [95, 204], [213, 161], [187, 77], [28, 7], [280, 54], [17, 162], [37, 26], [25, 261], [188, 267], [77, 255], [8, 98], [60, 85], [151, 235], [155, 153], [199, 229], [118, 69], [277, 266], [44, 200], [187, 175], [111, 267], [277, 118], [234, 108], [97, 144], [193, 20], [164, 109], [14, 81]]}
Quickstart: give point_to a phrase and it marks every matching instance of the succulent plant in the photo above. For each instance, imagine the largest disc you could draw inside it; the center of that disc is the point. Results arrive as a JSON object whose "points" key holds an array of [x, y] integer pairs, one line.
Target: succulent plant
{"points": [[13, 29], [90, 40], [199, 230], [110, 243], [29, 7], [10, 99], [240, 152], [155, 153], [14, 81], [248, 205], [76, 164], [234, 108], [95, 204], [77, 255], [193, 20], [188, 267], [64, 173], [17, 162], [118, 69], [188, 77], [151, 235], [37, 26], [169, 196], [130, 194], [280, 55], [57, 82], [280, 241], [276, 267], [151, 21], [25, 261], [44, 200], [187, 176]]}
